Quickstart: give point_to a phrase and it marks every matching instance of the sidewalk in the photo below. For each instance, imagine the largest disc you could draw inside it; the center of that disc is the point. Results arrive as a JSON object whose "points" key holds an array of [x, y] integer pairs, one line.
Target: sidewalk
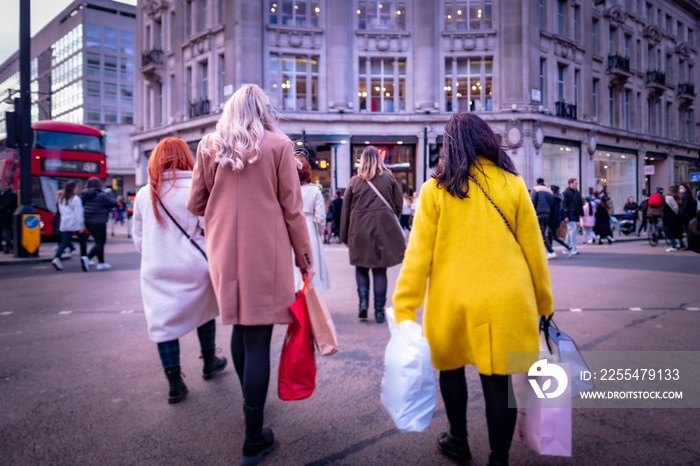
{"points": [[48, 249]]}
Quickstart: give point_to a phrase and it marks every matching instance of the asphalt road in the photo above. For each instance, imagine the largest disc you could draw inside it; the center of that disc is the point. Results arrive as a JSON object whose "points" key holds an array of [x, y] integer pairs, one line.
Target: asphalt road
{"points": [[81, 384]]}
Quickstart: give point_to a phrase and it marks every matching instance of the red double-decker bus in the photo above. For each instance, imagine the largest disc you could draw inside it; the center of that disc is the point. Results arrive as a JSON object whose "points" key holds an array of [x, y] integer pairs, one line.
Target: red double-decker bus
{"points": [[60, 152]]}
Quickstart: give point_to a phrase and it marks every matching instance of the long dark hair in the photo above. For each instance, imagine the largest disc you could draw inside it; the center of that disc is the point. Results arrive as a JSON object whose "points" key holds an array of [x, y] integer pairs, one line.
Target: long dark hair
{"points": [[466, 138], [67, 192]]}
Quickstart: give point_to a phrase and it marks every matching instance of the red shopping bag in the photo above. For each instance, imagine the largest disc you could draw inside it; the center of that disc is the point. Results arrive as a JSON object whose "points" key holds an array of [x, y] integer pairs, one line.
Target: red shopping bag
{"points": [[297, 376]]}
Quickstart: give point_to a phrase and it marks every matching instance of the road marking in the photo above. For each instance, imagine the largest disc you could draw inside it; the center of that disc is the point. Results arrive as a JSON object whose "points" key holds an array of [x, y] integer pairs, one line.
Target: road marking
{"points": [[635, 309], [63, 313], [576, 310], [6, 313], [127, 312], [692, 308]]}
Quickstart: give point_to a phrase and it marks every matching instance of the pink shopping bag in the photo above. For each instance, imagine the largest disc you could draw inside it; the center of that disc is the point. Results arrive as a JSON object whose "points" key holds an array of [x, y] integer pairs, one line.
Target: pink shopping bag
{"points": [[543, 425]]}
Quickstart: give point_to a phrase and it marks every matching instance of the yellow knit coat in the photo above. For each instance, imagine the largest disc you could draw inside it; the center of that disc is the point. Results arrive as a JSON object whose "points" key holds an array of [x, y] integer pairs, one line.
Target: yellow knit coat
{"points": [[485, 289]]}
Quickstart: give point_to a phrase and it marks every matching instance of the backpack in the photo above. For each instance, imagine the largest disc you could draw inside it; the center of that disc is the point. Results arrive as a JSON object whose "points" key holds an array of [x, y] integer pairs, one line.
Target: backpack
{"points": [[656, 200]]}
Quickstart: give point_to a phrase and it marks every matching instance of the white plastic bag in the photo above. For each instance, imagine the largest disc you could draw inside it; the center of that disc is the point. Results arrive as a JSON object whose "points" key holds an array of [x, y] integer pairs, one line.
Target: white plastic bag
{"points": [[408, 383]]}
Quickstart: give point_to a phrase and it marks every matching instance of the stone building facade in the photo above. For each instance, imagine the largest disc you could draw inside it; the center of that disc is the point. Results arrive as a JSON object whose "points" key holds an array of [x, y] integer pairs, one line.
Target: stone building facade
{"points": [[602, 91]]}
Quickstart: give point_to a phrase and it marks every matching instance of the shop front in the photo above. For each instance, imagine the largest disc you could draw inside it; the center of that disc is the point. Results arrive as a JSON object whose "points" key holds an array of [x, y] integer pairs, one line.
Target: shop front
{"points": [[615, 171], [561, 161], [682, 167], [398, 153]]}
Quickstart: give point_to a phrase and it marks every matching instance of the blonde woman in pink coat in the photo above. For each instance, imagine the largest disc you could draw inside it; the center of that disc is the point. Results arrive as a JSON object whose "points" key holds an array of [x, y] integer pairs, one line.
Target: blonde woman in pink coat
{"points": [[588, 221], [246, 186]]}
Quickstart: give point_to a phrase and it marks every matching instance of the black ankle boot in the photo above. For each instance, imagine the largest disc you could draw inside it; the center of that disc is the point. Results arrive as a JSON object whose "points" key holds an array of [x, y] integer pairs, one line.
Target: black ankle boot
{"points": [[178, 389], [363, 294], [497, 458], [258, 441], [454, 447], [379, 309], [212, 364]]}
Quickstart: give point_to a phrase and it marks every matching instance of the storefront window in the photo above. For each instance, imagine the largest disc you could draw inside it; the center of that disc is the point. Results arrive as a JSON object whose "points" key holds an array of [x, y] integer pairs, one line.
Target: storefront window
{"points": [[682, 167], [560, 162], [398, 158], [616, 173]]}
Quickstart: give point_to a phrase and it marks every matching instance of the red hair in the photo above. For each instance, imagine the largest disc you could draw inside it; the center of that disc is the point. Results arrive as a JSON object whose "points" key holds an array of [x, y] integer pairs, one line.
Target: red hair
{"points": [[170, 154], [304, 171]]}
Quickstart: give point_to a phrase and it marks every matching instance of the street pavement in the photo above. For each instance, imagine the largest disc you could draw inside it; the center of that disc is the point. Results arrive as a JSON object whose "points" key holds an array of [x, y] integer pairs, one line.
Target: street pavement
{"points": [[81, 384]]}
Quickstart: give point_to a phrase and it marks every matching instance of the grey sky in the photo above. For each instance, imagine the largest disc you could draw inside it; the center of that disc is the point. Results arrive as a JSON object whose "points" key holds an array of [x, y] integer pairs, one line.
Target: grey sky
{"points": [[42, 12]]}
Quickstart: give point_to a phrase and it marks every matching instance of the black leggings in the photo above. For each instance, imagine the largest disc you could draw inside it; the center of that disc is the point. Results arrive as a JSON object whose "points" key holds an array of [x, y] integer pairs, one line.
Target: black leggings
{"points": [[378, 276], [499, 418], [250, 348], [99, 232]]}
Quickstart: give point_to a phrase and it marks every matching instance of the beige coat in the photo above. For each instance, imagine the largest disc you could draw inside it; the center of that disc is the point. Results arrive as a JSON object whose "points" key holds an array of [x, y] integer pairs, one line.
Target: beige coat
{"points": [[252, 220]]}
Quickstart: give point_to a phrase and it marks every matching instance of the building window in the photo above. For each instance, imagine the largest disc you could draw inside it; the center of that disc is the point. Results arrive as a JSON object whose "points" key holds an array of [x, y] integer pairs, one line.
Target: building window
{"points": [[93, 116], [93, 93], [668, 25], [576, 80], [560, 17], [110, 93], [382, 14], [220, 18], [222, 78], [560, 161], [126, 69], [201, 15], [110, 39], [577, 23], [649, 13], [126, 42], [300, 13], [667, 121], [627, 46], [203, 80], [611, 98], [468, 84], [594, 37], [110, 67], [463, 15], [627, 110], [127, 118], [543, 68], [679, 32], [110, 116], [92, 36], [93, 64], [561, 69], [127, 93], [595, 98], [293, 81], [611, 42], [616, 172], [382, 84]]}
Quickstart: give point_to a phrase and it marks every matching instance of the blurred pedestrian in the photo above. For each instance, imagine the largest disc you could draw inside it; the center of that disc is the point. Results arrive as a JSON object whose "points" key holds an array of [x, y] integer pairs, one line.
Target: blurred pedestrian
{"points": [[673, 223], [687, 207], [642, 212], [246, 186], [97, 208], [555, 220], [588, 221], [602, 227], [543, 200], [630, 213], [177, 292], [406, 212], [369, 227], [469, 316], [335, 211], [315, 214], [70, 208], [572, 208], [8, 205], [121, 210]]}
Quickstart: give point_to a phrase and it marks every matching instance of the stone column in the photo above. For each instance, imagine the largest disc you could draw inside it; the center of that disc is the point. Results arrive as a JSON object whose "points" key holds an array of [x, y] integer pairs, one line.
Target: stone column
{"points": [[425, 48], [248, 32], [339, 82]]}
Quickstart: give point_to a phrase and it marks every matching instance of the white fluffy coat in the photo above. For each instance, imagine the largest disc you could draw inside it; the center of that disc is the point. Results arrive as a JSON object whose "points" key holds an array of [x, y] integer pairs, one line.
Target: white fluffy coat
{"points": [[177, 291], [315, 215]]}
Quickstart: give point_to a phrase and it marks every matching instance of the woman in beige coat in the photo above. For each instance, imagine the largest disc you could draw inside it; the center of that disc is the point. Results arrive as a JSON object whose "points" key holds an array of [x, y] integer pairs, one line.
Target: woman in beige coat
{"points": [[246, 186]]}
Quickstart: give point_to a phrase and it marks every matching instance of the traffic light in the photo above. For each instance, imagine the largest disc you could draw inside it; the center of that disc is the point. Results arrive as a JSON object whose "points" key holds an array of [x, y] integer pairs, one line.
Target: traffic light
{"points": [[115, 184], [433, 155]]}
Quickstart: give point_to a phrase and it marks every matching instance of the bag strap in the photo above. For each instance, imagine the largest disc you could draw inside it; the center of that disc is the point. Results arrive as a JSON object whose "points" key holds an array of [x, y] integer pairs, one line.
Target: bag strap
{"points": [[374, 188], [494, 204], [191, 240]]}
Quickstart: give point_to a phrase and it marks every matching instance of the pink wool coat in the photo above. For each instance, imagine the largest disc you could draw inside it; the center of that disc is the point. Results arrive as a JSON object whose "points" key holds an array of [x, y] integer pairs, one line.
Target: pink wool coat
{"points": [[252, 220]]}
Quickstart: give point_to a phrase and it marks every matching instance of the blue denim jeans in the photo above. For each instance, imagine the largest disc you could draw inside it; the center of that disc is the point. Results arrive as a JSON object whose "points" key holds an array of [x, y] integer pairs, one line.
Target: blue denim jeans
{"points": [[65, 240]]}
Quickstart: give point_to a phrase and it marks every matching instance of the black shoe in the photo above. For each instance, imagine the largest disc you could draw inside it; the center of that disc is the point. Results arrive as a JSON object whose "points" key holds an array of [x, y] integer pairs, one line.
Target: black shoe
{"points": [[379, 309], [497, 458], [214, 367], [258, 440], [178, 389], [454, 448], [363, 295]]}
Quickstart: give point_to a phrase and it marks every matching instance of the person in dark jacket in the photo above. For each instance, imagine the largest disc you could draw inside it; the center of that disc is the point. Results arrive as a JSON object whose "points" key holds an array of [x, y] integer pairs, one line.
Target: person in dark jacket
{"points": [[602, 221], [673, 224], [555, 219], [688, 205], [334, 212], [96, 206], [8, 204], [630, 209], [643, 207], [543, 201], [572, 207], [370, 229]]}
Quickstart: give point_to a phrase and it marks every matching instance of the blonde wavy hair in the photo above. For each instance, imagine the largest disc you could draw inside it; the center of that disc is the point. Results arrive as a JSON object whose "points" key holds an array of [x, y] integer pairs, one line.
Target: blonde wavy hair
{"points": [[240, 130], [371, 164]]}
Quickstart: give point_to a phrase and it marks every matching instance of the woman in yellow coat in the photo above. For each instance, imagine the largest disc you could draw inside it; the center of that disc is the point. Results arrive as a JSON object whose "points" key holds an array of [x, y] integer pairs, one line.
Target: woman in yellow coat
{"points": [[482, 260]]}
